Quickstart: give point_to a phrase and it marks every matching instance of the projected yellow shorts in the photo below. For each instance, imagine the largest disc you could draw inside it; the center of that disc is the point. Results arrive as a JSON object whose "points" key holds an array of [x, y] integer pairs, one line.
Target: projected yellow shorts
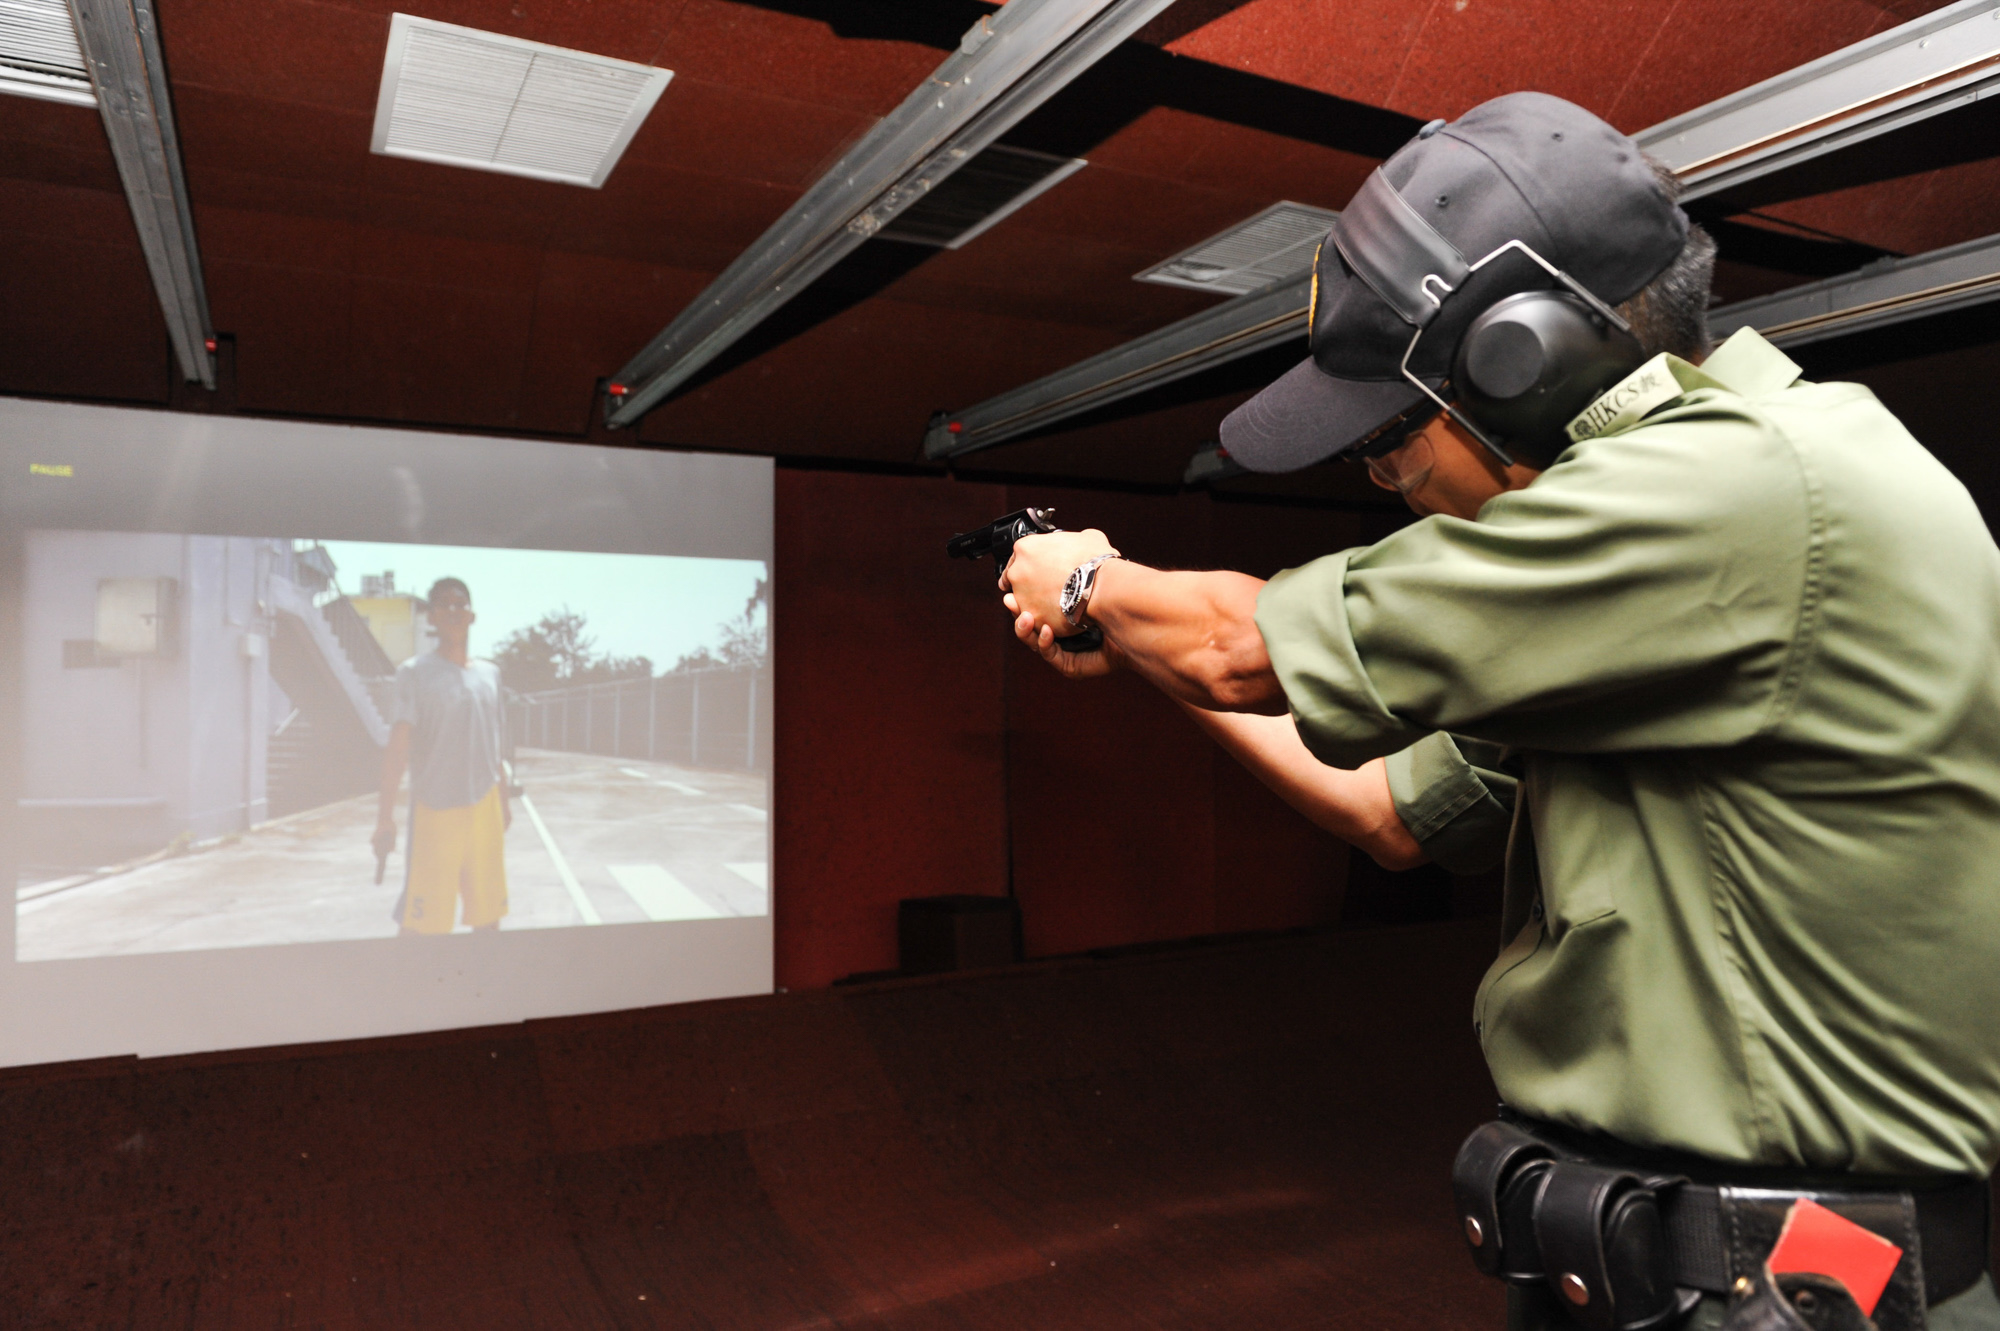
{"points": [[456, 853]]}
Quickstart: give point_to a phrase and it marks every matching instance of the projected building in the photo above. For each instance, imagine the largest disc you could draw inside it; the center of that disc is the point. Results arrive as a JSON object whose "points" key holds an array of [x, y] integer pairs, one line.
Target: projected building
{"points": [[398, 620], [181, 688]]}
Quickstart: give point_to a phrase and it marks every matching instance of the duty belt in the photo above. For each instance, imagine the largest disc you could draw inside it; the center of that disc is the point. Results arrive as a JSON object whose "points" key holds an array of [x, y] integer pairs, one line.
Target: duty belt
{"points": [[1632, 1241]]}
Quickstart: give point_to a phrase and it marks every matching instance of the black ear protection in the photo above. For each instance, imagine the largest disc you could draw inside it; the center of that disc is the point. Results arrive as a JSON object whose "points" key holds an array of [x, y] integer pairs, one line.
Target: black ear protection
{"points": [[1528, 364]]}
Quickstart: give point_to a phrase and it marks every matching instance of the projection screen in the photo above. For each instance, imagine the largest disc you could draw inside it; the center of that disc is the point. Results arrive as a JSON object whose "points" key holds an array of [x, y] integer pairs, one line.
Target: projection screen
{"points": [[315, 732]]}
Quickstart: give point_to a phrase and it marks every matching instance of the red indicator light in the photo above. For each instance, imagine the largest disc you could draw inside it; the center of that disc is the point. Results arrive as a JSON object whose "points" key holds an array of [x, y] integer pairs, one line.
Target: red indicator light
{"points": [[209, 343], [617, 390], [956, 427]]}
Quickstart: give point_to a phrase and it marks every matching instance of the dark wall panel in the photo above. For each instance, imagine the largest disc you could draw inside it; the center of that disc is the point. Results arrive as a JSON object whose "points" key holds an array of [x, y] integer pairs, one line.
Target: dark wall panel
{"points": [[889, 715], [586, 325], [77, 310], [1112, 786], [900, 769], [294, 335], [54, 143]]}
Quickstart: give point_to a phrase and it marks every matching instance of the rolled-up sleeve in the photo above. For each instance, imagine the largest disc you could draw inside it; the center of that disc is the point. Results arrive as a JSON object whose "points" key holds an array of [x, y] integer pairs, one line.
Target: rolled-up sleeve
{"points": [[1456, 800], [1645, 592]]}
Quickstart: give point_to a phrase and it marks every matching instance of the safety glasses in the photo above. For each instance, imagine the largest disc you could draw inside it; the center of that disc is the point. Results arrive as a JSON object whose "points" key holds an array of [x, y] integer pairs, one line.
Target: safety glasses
{"points": [[1404, 467]]}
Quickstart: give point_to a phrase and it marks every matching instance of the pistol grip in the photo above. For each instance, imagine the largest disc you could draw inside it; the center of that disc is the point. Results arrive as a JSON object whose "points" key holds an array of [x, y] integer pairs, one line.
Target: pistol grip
{"points": [[1089, 640]]}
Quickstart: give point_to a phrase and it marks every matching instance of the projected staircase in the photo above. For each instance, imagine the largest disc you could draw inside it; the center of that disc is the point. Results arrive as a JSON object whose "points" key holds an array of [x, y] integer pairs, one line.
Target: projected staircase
{"points": [[332, 669]]}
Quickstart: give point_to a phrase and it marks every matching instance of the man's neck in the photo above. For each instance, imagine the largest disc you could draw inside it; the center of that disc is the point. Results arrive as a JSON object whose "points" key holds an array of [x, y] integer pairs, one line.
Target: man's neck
{"points": [[454, 652]]}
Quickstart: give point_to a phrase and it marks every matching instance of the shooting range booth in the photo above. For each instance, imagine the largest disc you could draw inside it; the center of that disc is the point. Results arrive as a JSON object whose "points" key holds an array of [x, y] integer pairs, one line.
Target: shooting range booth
{"points": [[849, 967]]}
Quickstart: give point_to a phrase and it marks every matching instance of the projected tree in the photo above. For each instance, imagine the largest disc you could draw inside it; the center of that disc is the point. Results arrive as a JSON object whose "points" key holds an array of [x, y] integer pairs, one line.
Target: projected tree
{"points": [[741, 643], [556, 652]]}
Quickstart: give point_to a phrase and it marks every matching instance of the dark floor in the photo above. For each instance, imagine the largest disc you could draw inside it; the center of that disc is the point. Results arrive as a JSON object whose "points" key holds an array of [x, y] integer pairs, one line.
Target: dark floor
{"points": [[1242, 1136]]}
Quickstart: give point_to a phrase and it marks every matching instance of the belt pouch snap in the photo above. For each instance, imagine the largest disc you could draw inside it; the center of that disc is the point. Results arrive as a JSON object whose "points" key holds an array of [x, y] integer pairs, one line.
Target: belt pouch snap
{"points": [[1494, 1182], [1604, 1248]]}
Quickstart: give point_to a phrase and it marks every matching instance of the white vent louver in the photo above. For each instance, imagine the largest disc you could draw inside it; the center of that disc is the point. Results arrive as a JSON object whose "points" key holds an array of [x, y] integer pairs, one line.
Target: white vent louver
{"points": [[39, 55], [462, 97], [1276, 244]]}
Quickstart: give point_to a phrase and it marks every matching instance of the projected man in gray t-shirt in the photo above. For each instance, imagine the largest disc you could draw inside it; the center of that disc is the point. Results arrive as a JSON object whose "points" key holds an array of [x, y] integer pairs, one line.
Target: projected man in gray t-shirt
{"points": [[446, 729]]}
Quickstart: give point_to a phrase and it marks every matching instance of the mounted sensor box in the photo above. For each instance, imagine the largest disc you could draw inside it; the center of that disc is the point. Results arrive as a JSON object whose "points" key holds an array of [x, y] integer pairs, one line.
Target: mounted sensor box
{"points": [[135, 617]]}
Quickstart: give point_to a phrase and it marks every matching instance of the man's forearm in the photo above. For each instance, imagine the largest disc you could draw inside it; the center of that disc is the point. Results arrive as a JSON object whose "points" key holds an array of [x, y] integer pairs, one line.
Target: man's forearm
{"points": [[1193, 635], [1355, 806]]}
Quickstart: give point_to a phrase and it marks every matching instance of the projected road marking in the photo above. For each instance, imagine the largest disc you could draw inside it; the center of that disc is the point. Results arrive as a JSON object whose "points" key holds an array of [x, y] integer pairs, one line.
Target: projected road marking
{"points": [[757, 874], [36, 891], [662, 781], [570, 885], [661, 895], [750, 809]]}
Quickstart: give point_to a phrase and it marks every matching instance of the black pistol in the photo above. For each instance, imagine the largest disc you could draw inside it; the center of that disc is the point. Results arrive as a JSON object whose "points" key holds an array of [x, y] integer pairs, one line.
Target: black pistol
{"points": [[997, 538]]}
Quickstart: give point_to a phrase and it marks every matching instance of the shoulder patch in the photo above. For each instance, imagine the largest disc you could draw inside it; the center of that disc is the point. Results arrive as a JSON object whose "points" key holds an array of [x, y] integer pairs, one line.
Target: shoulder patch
{"points": [[1651, 385]]}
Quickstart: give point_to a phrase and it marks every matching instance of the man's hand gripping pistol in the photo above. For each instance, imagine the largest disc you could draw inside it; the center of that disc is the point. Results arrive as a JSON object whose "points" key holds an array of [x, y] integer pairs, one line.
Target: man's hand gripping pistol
{"points": [[997, 538]]}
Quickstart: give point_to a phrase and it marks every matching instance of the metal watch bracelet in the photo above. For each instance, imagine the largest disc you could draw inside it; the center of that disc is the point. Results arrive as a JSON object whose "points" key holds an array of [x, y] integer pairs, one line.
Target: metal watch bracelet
{"points": [[1076, 591]]}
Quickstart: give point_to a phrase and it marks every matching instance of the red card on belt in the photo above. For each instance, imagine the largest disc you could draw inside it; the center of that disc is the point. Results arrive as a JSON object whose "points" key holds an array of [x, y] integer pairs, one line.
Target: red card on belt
{"points": [[1815, 1239]]}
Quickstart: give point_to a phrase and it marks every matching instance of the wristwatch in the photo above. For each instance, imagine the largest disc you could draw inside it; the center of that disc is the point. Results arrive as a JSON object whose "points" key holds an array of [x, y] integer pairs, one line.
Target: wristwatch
{"points": [[1076, 591]]}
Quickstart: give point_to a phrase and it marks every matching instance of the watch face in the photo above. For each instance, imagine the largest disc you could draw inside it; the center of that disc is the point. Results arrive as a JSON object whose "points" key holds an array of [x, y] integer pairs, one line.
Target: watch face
{"points": [[1072, 593]]}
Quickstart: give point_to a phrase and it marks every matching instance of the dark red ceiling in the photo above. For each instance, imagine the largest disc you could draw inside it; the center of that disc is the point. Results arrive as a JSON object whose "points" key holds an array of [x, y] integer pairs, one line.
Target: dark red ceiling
{"points": [[357, 286]]}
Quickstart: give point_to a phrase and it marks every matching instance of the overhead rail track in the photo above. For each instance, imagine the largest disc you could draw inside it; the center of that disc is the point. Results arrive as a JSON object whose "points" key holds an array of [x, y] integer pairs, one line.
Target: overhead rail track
{"points": [[1944, 60], [1242, 327], [1007, 64], [1940, 62], [120, 41], [1888, 291]]}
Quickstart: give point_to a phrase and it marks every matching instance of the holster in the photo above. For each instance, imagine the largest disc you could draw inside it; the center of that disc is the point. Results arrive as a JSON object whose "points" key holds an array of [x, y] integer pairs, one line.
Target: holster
{"points": [[1795, 1302]]}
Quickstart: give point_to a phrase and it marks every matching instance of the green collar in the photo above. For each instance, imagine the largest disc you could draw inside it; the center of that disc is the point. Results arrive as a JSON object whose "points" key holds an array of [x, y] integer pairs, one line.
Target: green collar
{"points": [[1745, 365]]}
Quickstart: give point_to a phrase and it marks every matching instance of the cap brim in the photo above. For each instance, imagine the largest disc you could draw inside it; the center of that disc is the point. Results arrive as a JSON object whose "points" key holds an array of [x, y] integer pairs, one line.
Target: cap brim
{"points": [[1308, 416]]}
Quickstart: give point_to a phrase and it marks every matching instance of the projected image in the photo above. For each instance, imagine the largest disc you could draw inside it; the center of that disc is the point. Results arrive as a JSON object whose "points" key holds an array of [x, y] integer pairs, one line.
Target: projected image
{"points": [[237, 742]]}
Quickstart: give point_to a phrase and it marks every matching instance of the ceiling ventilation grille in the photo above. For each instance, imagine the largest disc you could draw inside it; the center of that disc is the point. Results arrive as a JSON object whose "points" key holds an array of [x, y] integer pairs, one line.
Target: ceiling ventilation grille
{"points": [[39, 56], [977, 195], [463, 97], [1276, 244]]}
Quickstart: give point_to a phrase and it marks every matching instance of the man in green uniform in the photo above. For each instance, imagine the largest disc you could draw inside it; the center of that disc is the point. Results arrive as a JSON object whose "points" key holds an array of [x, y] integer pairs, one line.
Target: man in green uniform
{"points": [[1722, 649]]}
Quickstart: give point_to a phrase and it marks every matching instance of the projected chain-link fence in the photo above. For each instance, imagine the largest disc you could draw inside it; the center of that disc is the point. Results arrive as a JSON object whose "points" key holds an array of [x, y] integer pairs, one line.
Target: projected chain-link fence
{"points": [[702, 718]]}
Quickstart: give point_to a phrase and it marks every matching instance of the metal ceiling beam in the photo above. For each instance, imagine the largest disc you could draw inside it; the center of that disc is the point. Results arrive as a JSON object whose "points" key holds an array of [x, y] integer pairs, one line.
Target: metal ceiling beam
{"points": [[1946, 59], [1942, 61], [1008, 63], [1888, 291], [1240, 327], [121, 45]]}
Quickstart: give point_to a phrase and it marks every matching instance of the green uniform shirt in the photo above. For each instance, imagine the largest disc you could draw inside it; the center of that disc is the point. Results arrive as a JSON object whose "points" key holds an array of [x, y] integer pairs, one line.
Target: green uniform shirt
{"points": [[1745, 653]]}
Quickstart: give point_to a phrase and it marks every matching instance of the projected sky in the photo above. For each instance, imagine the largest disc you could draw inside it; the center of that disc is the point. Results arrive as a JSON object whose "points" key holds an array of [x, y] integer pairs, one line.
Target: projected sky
{"points": [[658, 606]]}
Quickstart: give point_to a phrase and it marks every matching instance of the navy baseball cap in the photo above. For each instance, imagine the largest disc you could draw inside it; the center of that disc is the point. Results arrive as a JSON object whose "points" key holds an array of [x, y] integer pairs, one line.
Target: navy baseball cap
{"points": [[1527, 167]]}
